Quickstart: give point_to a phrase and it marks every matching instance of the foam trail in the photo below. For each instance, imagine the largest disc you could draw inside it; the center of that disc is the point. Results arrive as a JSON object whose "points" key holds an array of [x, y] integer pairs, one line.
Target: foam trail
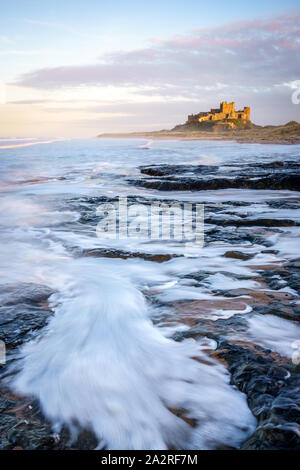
{"points": [[101, 364], [13, 139], [275, 333], [28, 144]]}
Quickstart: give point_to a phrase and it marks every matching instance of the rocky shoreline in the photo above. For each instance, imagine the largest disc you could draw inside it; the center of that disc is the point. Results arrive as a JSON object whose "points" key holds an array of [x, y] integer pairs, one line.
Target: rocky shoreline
{"points": [[200, 178], [270, 380]]}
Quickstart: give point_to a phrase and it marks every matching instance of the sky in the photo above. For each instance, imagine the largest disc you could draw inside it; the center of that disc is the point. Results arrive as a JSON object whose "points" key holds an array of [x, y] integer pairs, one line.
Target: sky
{"points": [[79, 68]]}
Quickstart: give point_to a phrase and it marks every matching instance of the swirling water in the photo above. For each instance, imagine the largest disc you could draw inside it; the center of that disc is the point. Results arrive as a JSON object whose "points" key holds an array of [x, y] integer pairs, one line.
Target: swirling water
{"points": [[106, 360]]}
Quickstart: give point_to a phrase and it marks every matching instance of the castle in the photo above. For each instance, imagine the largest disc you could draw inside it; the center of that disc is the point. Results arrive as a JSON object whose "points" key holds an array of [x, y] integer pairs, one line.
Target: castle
{"points": [[226, 111]]}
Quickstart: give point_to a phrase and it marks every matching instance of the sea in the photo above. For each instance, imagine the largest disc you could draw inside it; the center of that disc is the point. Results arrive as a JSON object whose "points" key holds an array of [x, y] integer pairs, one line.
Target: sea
{"points": [[114, 356]]}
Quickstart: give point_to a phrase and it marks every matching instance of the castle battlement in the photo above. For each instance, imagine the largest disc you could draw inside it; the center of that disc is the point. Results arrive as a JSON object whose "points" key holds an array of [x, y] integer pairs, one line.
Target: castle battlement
{"points": [[225, 111]]}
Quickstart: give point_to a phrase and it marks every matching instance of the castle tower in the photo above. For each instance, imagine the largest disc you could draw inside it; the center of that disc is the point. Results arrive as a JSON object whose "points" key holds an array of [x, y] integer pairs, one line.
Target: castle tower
{"points": [[227, 108], [247, 113]]}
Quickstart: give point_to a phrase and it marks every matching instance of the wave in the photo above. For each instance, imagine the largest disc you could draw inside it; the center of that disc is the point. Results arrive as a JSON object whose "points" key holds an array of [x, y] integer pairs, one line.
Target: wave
{"points": [[101, 364], [28, 144], [15, 139], [147, 145]]}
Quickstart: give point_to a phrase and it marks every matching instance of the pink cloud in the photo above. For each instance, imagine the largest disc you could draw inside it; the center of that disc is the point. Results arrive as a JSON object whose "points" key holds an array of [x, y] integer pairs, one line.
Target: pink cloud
{"points": [[257, 53]]}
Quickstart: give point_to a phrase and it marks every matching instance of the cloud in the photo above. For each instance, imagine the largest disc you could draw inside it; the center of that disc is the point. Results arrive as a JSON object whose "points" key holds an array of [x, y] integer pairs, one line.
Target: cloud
{"points": [[251, 53], [254, 63]]}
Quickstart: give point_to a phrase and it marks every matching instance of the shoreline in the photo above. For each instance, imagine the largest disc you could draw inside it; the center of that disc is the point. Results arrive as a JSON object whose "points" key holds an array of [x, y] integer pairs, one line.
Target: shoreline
{"points": [[237, 298], [171, 136]]}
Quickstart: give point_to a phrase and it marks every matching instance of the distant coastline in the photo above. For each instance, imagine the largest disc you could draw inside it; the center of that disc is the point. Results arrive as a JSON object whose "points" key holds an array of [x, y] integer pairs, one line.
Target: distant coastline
{"points": [[288, 134]]}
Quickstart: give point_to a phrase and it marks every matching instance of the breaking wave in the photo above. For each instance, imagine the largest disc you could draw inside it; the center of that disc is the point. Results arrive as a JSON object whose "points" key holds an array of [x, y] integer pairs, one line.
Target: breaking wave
{"points": [[101, 364]]}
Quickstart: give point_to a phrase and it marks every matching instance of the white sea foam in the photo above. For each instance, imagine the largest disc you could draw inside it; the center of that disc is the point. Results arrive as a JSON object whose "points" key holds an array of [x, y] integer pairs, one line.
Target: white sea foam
{"points": [[101, 364], [225, 314], [221, 282], [147, 145], [27, 144], [274, 333]]}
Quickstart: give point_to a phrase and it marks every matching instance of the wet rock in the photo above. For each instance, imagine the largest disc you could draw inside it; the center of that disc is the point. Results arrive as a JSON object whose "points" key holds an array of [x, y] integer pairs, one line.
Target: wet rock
{"points": [[165, 177], [110, 253], [167, 170], [7, 422], [213, 329], [284, 204], [85, 441], [276, 308], [29, 436], [277, 181], [289, 275], [24, 310], [277, 164], [238, 255], [260, 222], [272, 389], [4, 444], [272, 437], [279, 425], [239, 236], [19, 322], [28, 293], [6, 404], [261, 374], [270, 382]]}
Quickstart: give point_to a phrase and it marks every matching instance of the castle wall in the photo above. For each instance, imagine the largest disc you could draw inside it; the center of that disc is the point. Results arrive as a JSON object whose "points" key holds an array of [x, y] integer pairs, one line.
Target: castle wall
{"points": [[226, 111]]}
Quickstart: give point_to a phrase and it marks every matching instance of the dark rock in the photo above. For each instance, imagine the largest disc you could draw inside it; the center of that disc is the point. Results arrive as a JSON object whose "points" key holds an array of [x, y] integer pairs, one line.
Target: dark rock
{"points": [[238, 255], [290, 276], [273, 396], [30, 436], [166, 170], [272, 252], [110, 253], [245, 177], [249, 222], [6, 404], [19, 321], [28, 293]]}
